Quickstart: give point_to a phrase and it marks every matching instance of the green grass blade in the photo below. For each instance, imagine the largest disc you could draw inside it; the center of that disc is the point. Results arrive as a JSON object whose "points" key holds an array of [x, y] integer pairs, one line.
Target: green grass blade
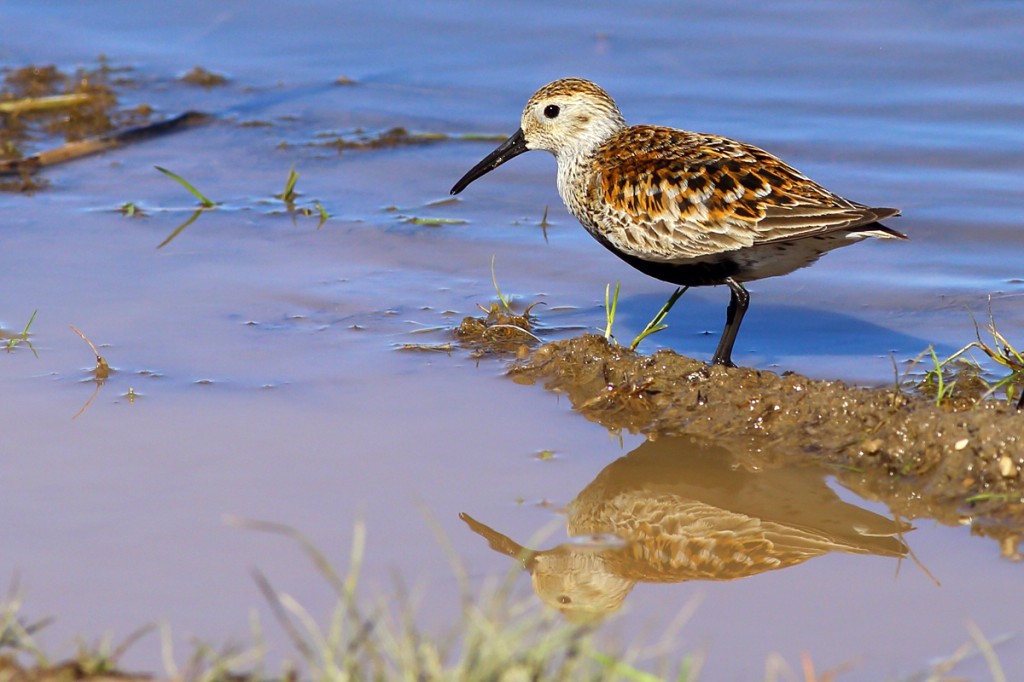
{"points": [[288, 195], [206, 202], [655, 325], [28, 326], [610, 306], [505, 302]]}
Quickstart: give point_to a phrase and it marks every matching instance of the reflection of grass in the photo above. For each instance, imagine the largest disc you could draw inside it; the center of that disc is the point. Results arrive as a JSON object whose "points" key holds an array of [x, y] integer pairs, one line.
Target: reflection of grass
{"points": [[180, 228]]}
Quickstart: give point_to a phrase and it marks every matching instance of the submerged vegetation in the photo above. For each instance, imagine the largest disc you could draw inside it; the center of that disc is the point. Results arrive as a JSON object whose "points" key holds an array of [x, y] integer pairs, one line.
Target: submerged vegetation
{"points": [[360, 139], [40, 105]]}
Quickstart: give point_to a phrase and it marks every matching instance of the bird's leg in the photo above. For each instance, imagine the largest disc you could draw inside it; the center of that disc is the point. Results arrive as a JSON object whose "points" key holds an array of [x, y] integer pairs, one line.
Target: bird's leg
{"points": [[738, 303]]}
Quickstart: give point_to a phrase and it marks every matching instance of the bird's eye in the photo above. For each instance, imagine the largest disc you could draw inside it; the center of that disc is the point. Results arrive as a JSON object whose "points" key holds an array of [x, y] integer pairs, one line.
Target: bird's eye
{"points": [[551, 110]]}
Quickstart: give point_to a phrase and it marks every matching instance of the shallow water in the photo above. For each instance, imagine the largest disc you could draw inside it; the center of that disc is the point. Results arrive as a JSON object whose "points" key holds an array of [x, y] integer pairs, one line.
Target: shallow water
{"points": [[263, 350]]}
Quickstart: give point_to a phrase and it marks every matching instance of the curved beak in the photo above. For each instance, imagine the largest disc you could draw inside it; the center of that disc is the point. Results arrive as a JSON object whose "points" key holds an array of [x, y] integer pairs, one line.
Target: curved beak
{"points": [[513, 146]]}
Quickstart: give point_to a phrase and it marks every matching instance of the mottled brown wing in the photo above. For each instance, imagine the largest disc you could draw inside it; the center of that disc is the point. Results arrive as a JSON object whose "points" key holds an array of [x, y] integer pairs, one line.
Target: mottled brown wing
{"points": [[689, 194]]}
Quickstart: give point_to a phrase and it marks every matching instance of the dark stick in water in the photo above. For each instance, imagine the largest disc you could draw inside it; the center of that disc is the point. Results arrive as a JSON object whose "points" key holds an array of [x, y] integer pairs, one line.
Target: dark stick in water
{"points": [[101, 143]]}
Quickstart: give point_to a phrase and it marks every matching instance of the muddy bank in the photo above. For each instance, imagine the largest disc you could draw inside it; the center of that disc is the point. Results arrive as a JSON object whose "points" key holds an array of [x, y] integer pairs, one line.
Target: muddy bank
{"points": [[958, 466]]}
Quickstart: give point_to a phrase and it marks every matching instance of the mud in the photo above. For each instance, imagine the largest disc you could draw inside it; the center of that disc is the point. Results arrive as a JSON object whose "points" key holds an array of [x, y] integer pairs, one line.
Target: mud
{"points": [[501, 332], [99, 111], [204, 78], [956, 464], [394, 137]]}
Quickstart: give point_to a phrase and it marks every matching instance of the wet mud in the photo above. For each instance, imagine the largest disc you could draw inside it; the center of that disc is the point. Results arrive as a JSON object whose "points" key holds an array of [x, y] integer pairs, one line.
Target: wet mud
{"points": [[959, 463], [41, 105], [501, 332], [392, 137]]}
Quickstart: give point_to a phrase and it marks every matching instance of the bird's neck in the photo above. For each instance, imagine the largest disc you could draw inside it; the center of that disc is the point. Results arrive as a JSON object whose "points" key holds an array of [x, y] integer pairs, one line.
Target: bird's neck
{"points": [[575, 168]]}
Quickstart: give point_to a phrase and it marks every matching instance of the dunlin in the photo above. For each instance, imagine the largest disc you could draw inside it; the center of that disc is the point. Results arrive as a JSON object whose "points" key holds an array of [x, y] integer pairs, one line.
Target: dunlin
{"points": [[688, 208]]}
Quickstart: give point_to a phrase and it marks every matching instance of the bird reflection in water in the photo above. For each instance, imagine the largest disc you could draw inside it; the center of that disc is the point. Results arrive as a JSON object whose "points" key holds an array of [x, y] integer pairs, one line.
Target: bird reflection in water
{"points": [[681, 508]]}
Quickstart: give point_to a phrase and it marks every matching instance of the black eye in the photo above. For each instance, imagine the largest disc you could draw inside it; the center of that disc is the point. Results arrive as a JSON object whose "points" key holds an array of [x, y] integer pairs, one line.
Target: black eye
{"points": [[551, 110]]}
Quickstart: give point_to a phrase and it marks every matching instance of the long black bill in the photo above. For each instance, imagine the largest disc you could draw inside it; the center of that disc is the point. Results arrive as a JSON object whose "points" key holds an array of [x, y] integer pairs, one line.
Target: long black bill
{"points": [[513, 146]]}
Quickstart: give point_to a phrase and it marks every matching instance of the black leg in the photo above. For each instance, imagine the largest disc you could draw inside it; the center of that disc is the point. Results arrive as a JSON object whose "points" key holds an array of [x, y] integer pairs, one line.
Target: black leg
{"points": [[738, 303]]}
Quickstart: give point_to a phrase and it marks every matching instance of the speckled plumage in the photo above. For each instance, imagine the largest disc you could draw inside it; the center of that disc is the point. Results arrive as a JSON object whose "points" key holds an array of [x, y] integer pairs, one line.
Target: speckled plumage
{"points": [[689, 208], [682, 508]]}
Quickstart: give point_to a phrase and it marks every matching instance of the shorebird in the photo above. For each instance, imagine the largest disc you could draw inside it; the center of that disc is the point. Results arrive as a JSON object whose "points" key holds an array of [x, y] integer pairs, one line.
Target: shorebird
{"points": [[688, 208]]}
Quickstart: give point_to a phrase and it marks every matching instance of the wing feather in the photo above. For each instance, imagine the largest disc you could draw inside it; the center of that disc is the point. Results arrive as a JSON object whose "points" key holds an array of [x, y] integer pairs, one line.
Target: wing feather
{"points": [[670, 194]]}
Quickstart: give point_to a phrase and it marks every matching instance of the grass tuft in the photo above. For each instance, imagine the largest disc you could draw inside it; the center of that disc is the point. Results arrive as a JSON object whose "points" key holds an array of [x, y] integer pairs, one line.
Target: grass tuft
{"points": [[611, 304], [13, 341], [288, 196]]}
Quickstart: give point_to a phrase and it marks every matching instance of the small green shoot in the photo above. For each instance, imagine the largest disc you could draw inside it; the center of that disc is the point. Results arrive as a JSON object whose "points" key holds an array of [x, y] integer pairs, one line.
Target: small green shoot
{"points": [[657, 323], [206, 202], [13, 342], [131, 210], [943, 390], [506, 302], [289, 195], [611, 303]]}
